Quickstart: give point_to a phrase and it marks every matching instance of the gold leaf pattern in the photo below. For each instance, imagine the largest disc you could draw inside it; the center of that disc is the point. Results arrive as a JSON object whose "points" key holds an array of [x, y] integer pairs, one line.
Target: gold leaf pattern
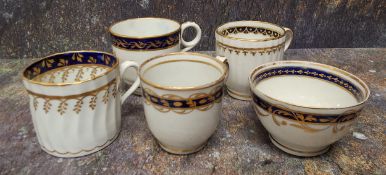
{"points": [[79, 75], [35, 102], [91, 60], [47, 105], [252, 51], [79, 99], [93, 102], [105, 98], [62, 107], [78, 105]]}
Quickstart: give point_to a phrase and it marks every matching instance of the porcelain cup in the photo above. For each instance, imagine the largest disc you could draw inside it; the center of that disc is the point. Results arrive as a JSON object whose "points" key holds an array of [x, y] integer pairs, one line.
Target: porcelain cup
{"points": [[139, 39], [306, 106], [246, 44], [182, 95], [75, 102]]}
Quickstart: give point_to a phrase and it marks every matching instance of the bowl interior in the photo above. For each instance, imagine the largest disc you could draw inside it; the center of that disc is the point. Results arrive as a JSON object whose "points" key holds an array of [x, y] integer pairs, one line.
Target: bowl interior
{"points": [[306, 91], [182, 70], [70, 67], [145, 27], [308, 87]]}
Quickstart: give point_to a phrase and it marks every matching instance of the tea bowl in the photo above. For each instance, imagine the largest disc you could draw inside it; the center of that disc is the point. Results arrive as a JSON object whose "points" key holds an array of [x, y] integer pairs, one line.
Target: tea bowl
{"points": [[306, 106]]}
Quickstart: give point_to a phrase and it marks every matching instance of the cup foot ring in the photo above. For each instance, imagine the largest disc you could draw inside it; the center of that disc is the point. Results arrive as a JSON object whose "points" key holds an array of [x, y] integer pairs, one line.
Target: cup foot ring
{"points": [[238, 95], [172, 150], [297, 152]]}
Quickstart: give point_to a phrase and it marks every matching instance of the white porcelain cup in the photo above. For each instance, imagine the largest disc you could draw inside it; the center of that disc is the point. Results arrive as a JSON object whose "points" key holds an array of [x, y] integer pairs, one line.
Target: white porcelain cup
{"points": [[182, 99], [139, 39], [306, 106], [75, 102], [247, 44]]}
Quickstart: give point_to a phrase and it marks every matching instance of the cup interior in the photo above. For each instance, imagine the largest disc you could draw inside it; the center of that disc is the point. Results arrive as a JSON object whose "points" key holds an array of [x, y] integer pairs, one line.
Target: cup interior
{"points": [[253, 30], [182, 70], [144, 27], [309, 85], [70, 67]]}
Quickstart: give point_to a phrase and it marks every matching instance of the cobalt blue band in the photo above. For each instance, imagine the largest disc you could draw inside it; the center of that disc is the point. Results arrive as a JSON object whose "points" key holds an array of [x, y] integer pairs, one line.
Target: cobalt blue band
{"points": [[156, 43], [67, 59]]}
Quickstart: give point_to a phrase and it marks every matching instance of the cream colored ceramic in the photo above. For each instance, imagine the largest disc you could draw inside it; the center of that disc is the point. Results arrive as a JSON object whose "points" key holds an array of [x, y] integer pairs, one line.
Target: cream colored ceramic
{"points": [[75, 102], [139, 39], [182, 99], [306, 106], [246, 44]]}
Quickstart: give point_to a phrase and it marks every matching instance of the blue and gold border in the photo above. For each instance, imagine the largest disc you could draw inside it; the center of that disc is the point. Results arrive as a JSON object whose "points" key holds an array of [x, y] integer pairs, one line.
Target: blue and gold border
{"points": [[303, 117], [170, 102], [310, 72], [155, 43], [67, 59]]}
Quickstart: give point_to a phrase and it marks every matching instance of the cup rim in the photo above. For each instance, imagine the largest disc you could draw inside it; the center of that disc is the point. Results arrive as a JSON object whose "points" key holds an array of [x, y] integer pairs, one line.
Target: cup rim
{"points": [[144, 37], [305, 63], [246, 39], [68, 83], [179, 88]]}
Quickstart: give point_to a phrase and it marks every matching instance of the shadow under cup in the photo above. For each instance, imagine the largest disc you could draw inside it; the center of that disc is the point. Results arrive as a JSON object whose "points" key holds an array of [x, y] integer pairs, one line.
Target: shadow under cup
{"points": [[182, 99]]}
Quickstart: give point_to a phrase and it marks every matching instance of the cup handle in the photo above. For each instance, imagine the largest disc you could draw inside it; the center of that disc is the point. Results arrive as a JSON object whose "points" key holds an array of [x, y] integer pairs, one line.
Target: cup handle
{"points": [[225, 61], [288, 37], [189, 45], [122, 68]]}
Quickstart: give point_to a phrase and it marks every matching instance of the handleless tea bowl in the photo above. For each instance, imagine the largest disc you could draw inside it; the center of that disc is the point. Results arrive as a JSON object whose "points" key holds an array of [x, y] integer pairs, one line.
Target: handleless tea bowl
{"points": [[306, 106]]}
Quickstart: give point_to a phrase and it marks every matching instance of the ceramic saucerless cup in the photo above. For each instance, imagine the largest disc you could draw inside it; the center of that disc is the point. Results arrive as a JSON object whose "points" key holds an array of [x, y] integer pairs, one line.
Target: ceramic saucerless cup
{"points": [[75, 102], [139, 39], [306, 106], [246, 44], [182, 95]]}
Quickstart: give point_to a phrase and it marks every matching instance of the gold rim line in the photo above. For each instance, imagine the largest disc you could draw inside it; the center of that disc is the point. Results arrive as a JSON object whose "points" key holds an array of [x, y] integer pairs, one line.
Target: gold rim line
{"points": [[305, 63], [83, 150], [250, 49], [329, 82], [143, 50], [53, 71], [145, 37], [179, 60], [239, 94], [73, 96], [73, 83], [177, 88], [296, 150], [252, 40]]}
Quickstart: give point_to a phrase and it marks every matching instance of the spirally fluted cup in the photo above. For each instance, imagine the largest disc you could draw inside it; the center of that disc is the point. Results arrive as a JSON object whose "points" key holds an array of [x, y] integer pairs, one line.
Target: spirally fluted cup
{"points": [[74, 101]]}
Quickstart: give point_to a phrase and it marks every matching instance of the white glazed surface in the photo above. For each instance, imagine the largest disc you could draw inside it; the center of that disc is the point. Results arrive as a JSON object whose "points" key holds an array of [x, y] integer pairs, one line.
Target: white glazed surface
{"points": [[182, 131], [187, 131], [77, 119], [241, 64], [305, 95], [306, 91]]}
